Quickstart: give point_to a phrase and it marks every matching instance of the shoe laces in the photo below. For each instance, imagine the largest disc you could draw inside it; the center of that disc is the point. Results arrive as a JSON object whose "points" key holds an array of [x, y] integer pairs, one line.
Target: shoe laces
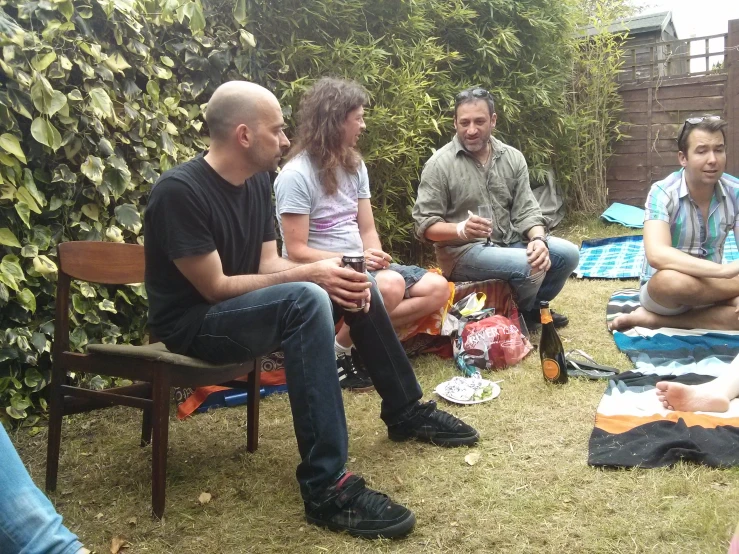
{"points": [[429, 411], [371, 501], [347, 364]]}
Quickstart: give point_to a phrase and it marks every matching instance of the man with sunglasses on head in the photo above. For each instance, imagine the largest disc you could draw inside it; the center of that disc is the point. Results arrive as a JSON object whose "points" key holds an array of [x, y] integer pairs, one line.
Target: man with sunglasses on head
{"points": [[471, 173], [688, 217]]}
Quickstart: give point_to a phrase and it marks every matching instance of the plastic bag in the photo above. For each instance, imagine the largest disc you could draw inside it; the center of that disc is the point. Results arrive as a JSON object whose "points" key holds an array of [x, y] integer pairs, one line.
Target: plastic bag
{"points": [[487, 341]]}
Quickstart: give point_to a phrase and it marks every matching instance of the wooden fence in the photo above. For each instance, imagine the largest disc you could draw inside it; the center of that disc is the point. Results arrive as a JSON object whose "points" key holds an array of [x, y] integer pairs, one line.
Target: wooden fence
{"points": [[654, 111]]}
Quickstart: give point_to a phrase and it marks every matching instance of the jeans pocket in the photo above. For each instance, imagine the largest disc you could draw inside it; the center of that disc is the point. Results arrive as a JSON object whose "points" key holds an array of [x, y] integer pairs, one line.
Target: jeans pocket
{"points": [[219, 349]]}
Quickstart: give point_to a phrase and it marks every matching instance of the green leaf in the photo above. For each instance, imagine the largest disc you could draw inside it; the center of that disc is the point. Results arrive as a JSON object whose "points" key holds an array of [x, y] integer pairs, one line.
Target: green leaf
{"points": [[117, 63], [45, 133], [92, 168], [27, 300], [240, 11], [87, 290], [247, 39], [39, 62], [117, 176], [41, 237], [8, 238], [107, 306], [166, 60], [26, 197], [100, 102], [20, 102], [47, 100], [92, 211], [24, 212], [30, 184], [44, 265], [12, 145], [15, 414], [78, 339], [32, 377], [128, 216], [29, 251], [79, 304], [152, 87]]}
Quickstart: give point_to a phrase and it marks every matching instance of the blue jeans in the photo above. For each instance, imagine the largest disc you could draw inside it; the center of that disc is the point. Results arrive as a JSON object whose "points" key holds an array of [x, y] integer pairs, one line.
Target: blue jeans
{"points": [[29, 523], [299, 318], [509, 264]]}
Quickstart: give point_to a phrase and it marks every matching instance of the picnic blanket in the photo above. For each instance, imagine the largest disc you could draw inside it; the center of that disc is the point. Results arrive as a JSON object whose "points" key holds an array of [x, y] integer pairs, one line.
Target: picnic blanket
{"points": [[631, 426], [623, 214], [420, 337], [622, 257]]}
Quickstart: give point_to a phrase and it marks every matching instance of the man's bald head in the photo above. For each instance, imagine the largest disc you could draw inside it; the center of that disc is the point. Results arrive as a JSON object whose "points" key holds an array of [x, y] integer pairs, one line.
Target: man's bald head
{"points": [[235, 103]]}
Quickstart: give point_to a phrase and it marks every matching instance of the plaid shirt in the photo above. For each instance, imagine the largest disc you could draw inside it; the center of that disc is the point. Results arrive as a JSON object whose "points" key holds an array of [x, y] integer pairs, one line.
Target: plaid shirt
{"points": [[669, 200]]}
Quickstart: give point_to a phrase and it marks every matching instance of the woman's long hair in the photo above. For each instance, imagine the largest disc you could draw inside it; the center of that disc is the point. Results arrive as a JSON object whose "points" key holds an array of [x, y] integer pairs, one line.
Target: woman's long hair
{"points": [[321, 116]]}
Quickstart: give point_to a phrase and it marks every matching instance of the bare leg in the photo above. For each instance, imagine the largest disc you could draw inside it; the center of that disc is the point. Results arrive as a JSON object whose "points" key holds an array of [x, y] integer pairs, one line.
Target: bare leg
{"points": [[672, 289], [713, 396], [713, 317], [427, 296]]}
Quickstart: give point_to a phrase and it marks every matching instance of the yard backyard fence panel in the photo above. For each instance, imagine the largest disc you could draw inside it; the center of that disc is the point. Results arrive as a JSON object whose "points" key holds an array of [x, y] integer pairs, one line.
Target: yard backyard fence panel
{"points": [[653, 112]]}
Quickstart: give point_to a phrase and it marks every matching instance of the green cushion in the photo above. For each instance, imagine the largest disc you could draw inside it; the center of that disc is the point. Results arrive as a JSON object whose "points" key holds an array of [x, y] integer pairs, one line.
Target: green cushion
{"points": [[155, 352]]}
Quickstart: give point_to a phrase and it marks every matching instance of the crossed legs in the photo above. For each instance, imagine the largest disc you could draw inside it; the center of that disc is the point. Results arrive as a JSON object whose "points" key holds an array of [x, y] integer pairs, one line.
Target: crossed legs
{"points": [[674, 299]]}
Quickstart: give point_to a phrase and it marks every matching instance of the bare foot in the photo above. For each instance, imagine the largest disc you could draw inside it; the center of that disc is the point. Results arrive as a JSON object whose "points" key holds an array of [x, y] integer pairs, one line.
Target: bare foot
{"points": [[691, 398], [639, 317]]}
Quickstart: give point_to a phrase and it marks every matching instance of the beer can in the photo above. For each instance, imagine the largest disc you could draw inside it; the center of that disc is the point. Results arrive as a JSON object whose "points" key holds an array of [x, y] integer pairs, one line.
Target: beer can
{"points": [[357, 263]]}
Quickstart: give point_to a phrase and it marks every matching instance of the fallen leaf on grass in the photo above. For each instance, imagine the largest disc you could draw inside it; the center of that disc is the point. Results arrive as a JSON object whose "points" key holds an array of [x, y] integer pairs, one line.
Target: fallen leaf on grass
{"points": [[99, 516], [204, 498], [472, 458], [118, 544], [132, 521], [399, 480]]}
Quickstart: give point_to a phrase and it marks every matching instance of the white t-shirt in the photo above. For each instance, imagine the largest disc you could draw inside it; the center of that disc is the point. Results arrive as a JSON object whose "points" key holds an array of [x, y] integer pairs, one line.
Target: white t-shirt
{"points": [[333, 218]]}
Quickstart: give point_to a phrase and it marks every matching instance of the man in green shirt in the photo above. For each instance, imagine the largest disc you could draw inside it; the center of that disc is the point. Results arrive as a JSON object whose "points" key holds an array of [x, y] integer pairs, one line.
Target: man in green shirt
{"points": [[476, 171]]}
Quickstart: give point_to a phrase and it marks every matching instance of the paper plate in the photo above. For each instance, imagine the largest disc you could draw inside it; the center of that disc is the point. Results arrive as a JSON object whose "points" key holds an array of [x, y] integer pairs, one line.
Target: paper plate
{"points": [[460, 390]]}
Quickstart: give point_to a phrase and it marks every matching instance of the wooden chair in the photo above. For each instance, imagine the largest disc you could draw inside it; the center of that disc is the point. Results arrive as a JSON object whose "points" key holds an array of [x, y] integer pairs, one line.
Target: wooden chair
{"points": [[152, 368]]}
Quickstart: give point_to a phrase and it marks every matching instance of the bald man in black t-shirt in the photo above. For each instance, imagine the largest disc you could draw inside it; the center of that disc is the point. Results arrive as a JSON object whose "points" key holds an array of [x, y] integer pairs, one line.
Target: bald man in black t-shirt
{"points": [[218, 290]]}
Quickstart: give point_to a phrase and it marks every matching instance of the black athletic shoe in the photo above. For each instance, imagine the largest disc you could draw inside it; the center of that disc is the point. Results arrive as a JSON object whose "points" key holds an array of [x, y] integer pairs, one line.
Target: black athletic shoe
{"points": [[351, 377], [348, 505], [429, 424], [533, 320]]}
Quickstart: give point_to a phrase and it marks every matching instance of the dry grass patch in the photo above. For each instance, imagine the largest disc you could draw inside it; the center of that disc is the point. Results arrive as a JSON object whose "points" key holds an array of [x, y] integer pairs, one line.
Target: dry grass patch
{"points": [[530, 491]]}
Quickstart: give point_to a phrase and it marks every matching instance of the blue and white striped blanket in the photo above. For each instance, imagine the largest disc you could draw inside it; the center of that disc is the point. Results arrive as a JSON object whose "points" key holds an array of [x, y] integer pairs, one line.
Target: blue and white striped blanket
{"points": [[632, 428], [622, 257]]}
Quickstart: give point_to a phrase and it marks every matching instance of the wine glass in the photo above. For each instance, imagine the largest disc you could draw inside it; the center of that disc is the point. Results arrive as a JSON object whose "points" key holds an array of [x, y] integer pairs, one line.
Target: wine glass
{"points": [[485, 211]]}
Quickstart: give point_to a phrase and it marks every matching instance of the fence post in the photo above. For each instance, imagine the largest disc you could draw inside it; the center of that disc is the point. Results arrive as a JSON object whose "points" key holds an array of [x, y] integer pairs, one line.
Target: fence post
{"points": [[732, 97]]}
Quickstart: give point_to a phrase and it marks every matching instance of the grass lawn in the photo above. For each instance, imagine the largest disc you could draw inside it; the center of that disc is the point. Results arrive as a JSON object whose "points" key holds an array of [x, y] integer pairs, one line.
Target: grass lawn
{"points": [[530, 491]]}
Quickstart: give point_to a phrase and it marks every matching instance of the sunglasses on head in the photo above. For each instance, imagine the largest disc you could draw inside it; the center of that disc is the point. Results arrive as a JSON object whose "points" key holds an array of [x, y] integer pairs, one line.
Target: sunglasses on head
{"points": [[474, 93], [694, 121]]}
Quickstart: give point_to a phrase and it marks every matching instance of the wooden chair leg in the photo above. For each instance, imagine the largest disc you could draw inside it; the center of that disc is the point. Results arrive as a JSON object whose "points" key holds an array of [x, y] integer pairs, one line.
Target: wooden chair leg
{"points": [[252, 408], [56, 414], [146, 427], [160, 436]]}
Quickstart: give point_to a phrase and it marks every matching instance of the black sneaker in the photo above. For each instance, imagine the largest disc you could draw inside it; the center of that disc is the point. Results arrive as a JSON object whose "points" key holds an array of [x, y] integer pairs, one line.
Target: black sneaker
{"points": [[429, 424], [348, 505], [533, 320], [352, 378]]}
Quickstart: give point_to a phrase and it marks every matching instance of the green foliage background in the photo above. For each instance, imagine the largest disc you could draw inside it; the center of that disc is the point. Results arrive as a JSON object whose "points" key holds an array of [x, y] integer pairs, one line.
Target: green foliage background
{"points": [[99, 97]]}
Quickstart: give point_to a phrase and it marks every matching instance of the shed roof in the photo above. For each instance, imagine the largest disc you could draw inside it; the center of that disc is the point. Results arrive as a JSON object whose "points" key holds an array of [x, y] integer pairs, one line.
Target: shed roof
{"points": [[639, 24]]}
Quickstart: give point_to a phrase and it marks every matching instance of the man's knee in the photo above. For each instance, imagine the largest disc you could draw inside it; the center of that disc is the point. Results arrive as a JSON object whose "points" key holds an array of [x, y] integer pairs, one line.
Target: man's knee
{"points": [[564, 254], [310, 293]]}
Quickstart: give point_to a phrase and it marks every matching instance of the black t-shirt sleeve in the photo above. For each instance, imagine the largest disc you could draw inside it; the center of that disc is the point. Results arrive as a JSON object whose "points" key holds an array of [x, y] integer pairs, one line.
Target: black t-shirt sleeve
{"points": [[180, 220], [268, 232]]}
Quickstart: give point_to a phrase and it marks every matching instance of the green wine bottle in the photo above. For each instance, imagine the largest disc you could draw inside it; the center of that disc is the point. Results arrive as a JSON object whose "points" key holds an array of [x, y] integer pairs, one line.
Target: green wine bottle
{"points": [[550, 349]]}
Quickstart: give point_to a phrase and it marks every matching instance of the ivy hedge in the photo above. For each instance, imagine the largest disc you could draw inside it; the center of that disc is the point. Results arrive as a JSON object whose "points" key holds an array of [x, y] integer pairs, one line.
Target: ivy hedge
{"points": [[99, 97]]}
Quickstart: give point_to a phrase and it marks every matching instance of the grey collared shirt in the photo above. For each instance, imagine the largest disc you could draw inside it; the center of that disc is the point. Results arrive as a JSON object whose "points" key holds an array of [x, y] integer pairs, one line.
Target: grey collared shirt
{"points": [[453, 182]]}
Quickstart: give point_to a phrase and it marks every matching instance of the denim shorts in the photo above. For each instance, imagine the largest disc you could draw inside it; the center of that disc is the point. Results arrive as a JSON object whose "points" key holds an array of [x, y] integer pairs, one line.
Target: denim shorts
{"points": [[411, 275]]}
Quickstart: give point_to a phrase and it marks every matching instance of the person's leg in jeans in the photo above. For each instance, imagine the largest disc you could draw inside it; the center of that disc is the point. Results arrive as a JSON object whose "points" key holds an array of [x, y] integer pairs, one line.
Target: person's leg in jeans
{"points": [[509, 263], [564, 256], [297, 317], [28, 521]]}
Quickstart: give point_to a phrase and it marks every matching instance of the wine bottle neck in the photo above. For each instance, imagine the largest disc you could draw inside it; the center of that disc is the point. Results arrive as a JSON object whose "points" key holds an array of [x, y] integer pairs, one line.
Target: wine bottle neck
{"points": [[546, 316]]}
